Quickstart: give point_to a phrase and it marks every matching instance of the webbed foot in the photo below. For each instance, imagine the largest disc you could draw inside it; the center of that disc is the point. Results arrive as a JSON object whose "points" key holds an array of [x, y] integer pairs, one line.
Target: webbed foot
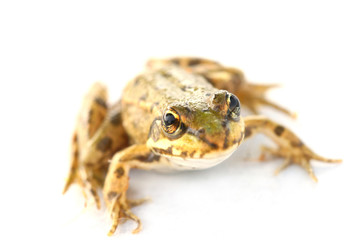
{"points": [[120, 208], [88, 187], [253, 97], [300, 155]]}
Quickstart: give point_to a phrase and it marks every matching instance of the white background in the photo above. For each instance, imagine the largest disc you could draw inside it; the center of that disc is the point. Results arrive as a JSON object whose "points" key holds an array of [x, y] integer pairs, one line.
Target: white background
{"points": [[50, 53]]}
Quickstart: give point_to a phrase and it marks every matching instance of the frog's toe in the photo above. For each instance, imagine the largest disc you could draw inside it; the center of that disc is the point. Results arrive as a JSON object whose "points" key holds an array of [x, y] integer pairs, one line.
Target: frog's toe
{"points": [[328, 160], [121, 209], [304, 162], [136, 202], [89, 186], [96, 197], [300, 156], [69, 181]]}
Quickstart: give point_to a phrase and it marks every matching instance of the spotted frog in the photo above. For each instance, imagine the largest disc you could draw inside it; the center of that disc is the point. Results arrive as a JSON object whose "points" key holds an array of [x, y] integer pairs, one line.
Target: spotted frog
{"points": [[180, 114]]}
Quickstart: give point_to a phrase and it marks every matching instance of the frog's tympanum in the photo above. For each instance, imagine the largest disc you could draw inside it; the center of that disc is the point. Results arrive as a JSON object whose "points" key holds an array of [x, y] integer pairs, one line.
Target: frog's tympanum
{"points": [[181, 114]]}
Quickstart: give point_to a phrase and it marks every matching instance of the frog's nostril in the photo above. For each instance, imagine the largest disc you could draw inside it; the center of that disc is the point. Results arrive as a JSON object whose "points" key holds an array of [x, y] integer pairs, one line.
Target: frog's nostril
{"points": [[219, 101], [201, 131]]}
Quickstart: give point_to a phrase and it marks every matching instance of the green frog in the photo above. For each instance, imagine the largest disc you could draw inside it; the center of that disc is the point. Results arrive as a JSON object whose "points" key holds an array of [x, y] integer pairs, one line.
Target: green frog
{"points": [[180, 114]]}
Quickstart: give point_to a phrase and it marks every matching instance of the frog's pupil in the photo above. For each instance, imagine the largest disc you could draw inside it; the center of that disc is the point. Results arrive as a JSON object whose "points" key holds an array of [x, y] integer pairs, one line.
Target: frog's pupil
{"points": [[169, 119]]}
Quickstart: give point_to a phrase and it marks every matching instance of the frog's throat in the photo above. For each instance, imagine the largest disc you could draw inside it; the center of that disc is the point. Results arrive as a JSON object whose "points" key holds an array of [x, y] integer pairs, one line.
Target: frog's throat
{"points": [[207, 161]]}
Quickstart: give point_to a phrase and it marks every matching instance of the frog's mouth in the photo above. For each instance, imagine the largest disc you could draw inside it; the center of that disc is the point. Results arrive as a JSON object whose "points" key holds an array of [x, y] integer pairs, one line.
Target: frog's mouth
{"points": [[206, 161]]}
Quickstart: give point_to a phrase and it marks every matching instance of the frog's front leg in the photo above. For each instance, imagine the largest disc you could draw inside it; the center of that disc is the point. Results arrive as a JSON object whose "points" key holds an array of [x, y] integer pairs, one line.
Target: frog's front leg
{"points": [[291, 148], [117, 181], [226, 78]]}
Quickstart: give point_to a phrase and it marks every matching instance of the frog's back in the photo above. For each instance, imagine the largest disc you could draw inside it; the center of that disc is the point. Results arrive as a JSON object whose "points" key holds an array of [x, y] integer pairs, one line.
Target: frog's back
{"points": [[145, 97]]}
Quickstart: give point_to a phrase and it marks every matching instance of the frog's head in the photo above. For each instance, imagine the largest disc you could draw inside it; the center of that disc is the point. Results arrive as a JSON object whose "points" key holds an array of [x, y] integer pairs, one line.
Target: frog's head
{"points": [[199, 133]]}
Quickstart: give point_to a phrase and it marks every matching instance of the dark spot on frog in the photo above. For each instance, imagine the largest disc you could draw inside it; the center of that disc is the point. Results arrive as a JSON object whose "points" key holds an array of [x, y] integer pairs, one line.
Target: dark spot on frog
{"points": [[76, 153], [104, 144], [226, 141], [225, 125], [93, 192], [279, 130], [143, 97], [137, 81], [112, 194], [183, 154], [237, 141], [101, 102], [115, 119], [297, 143], [175, 61], [194, 61], [165, 74], [248, 132], [119, 172], [167, 151], [73, 168], [135, 124], [90, 114], [207, 94]]}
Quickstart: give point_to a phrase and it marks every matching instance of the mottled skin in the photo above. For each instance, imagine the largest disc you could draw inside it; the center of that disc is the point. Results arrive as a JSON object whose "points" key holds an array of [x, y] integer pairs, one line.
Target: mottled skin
{"points": [[181, 114]]}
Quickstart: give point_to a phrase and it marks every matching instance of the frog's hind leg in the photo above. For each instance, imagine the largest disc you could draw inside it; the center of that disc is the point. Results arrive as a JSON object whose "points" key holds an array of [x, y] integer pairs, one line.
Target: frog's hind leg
{"points": [[227, 78], [92, 115], [254, 96], [290, 147]]}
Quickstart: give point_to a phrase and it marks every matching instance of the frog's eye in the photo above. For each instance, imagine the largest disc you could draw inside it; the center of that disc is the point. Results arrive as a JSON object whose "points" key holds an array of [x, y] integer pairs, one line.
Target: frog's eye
{"points": [[234, 107], [171, 121]]}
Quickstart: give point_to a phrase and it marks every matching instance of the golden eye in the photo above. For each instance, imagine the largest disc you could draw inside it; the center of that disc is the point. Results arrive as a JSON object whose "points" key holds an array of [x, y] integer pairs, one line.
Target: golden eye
{"points": [[171, 121], [234, 107]]}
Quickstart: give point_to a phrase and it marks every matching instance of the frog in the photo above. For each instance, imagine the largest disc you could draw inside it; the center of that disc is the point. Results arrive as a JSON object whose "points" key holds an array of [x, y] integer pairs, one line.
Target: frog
{"points": [[181, 113]]}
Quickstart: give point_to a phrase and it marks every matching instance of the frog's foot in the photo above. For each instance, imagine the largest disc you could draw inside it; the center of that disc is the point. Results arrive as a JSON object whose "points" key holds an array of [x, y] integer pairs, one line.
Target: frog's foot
{"points": [[290, 147], [120, 209], [74, 178], [253, 97], [297, 155], [88, 186]]}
